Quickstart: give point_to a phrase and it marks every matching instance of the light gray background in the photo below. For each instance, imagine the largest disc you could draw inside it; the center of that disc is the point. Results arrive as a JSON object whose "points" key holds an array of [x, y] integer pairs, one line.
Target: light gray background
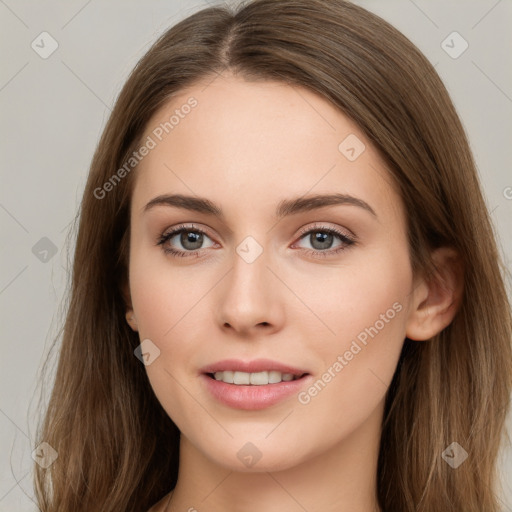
{"points": [[54, 109]]}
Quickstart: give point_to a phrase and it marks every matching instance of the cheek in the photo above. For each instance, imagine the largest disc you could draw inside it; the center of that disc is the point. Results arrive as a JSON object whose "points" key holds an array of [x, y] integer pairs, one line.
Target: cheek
{"points": [[363, 312], [167, 308], [347, 299], [162, 296]]}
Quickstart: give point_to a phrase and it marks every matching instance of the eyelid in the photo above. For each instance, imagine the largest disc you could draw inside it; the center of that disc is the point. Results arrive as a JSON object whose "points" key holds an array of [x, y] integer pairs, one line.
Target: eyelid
{"points": [[324, 226], [346, 237], [171, 232], [183, 227], [302, 231]]}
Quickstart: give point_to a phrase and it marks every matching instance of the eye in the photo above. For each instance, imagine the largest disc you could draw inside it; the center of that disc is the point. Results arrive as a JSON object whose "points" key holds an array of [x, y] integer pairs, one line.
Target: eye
{"points": [[184, 241], [325, 240]]}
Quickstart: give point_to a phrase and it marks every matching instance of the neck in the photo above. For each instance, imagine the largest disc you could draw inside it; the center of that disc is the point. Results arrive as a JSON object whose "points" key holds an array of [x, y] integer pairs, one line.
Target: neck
{"points": [[342, 478]]}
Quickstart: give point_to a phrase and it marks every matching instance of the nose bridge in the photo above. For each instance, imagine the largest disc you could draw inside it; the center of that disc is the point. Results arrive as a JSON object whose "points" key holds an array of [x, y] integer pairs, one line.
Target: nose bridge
{"points": [[248, 296], [249, 278]]}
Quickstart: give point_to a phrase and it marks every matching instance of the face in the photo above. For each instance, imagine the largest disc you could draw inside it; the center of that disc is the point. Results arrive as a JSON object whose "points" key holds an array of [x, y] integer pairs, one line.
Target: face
{"points": [[276, 250]]}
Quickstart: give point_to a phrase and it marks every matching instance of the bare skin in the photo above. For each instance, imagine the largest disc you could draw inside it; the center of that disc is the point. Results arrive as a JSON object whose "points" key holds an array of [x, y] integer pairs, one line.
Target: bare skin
{"points": [[247, 146]]}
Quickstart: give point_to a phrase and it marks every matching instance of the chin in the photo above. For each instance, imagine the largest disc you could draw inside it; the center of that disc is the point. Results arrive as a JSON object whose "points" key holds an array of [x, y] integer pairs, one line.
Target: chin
{"points": [[255, 457]]}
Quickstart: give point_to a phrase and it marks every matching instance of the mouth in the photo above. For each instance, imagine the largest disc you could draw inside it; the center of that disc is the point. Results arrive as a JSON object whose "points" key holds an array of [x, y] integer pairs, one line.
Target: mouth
{"points": [[263, 378], [253, 385]]}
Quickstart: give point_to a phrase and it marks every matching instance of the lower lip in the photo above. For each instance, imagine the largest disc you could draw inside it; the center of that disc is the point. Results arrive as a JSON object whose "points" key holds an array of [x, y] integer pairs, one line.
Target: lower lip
{"points": [[253, 398]]}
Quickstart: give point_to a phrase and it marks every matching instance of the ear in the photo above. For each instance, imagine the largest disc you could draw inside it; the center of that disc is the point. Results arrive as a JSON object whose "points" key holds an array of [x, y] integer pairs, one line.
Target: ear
{"points": [[130, 315], [437, 298]]}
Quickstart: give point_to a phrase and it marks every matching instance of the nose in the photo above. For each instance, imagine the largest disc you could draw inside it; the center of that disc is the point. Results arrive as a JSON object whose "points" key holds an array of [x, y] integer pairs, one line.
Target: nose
{"points": [[249, 301]]}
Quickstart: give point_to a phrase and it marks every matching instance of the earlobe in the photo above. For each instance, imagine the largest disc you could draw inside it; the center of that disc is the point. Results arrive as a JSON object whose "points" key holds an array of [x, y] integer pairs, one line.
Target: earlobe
{"points": [[132, 321], [130, 316], [437, 299]]}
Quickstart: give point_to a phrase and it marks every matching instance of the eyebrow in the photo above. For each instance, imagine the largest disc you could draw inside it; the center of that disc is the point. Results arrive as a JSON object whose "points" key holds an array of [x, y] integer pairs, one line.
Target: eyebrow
{"points": [[285, 207]]}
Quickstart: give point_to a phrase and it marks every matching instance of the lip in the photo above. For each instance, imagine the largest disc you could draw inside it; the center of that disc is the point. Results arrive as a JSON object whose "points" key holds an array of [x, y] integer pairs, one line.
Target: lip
{"points": [[257, 365], [249, 397]]}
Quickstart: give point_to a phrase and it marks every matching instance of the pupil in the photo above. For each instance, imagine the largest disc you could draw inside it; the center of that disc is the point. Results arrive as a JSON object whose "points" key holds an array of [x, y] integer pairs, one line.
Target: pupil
{"points": [[321, 240], [191, 240]]}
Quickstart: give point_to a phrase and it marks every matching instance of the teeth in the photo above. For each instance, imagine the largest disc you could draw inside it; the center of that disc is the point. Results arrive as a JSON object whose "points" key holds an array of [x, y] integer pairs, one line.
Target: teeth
{"points": [[228, 376], [256, 379], [241, 378], [274, 377]]}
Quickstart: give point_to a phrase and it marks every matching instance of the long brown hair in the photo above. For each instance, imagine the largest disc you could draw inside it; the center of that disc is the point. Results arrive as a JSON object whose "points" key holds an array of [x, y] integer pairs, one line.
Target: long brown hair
{"points": [[118, 449]]}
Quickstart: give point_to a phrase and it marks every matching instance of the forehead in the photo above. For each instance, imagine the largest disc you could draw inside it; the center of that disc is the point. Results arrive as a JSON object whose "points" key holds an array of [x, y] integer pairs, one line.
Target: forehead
{"points": [[257, 142]]}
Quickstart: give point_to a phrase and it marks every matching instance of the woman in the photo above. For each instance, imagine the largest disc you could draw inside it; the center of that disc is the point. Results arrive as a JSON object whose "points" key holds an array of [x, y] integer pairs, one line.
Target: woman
{"points": [[286, 291]]}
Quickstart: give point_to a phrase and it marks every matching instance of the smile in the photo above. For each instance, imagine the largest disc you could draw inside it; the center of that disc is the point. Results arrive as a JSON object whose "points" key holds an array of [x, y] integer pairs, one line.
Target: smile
{"points": [[253, 385], [254, 379]]}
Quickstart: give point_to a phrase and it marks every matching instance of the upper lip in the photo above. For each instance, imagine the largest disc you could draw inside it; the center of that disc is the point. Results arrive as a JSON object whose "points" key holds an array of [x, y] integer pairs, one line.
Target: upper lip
{"points": [[257, 365]]}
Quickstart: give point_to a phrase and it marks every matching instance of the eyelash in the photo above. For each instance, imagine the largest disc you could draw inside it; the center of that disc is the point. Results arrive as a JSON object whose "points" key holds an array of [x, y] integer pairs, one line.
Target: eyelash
{"points": [[346, 241]]}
